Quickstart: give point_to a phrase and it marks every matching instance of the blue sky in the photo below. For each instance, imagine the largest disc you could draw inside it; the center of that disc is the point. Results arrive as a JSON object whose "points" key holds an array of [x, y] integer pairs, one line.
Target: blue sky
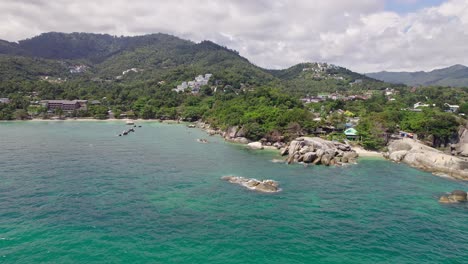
{"points": [[408, 6]]}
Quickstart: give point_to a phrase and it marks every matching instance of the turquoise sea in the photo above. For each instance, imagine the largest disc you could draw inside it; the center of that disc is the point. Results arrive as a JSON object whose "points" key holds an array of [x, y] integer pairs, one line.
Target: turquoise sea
{"points": [[74, 192]]}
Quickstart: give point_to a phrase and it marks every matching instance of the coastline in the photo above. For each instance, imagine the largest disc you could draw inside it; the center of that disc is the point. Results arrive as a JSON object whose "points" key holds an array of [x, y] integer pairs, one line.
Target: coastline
{"points": [[96, 120], [363, 153]]}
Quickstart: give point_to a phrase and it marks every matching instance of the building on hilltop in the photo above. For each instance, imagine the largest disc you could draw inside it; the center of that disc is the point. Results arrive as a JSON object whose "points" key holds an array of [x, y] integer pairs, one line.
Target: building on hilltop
{"points": [[194, 85], [78, 68], [4, 100], [452, 108], [419, 104], [131, 70]]}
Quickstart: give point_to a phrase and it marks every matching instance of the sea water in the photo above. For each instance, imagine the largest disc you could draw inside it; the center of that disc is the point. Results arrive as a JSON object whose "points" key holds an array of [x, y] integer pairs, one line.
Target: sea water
{"points": [[74, 192]]}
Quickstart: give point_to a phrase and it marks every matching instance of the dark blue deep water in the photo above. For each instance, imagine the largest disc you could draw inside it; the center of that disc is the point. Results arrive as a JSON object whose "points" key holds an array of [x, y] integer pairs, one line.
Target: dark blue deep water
{"points": [[73, 192]]}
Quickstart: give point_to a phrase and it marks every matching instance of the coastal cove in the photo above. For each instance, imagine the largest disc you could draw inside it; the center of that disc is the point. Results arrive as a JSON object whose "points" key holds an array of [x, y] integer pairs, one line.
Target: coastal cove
{"points": [[76, 192]]}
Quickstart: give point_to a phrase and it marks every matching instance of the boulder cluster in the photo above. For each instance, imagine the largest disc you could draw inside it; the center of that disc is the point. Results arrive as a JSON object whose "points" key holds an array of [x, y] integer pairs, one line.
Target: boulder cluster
{"points": [[314, 150], [456, 196], [266, 186]]}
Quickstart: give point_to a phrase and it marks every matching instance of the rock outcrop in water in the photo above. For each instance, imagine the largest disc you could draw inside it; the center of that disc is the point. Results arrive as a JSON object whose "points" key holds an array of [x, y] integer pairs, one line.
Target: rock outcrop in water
{"points": [[266, 186], [314, 150], [418, 155], [456, 196]]}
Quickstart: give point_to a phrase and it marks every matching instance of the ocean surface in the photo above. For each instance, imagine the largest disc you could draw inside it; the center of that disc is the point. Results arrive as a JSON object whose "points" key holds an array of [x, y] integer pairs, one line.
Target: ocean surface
{"points": [[74, 192]]}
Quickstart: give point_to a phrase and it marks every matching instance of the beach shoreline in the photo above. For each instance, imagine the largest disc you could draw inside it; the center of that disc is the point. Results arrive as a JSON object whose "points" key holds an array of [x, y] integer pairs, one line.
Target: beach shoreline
{"points": [[361, 151], [96, 120], [367, 153]]}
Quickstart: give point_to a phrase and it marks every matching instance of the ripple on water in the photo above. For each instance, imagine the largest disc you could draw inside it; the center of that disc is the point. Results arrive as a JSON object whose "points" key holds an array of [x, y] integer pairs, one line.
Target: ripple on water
{"points": [[73, 192]]}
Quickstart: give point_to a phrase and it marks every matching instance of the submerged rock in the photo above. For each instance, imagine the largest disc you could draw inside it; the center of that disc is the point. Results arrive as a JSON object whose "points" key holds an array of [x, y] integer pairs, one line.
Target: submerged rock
{"points": [[278, 161], [266, 186], [456, 196], [444, 199]]}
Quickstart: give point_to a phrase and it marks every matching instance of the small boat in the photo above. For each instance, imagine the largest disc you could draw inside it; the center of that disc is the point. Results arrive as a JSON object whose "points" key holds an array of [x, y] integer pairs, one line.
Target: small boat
{"points": [[130, 122]]}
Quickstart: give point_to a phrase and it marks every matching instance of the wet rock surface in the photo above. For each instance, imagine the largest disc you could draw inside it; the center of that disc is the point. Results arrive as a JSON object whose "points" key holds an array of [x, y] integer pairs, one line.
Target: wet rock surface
{"points": [[265, 186], [456, 196]]}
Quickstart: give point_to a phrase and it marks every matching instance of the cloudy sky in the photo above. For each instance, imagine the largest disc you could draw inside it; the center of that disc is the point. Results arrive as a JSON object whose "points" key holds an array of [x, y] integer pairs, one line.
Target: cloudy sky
{"points": [[363, 35]]}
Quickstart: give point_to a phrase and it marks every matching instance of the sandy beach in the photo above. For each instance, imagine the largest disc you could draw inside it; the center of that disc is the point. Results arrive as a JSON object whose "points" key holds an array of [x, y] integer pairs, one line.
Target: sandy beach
{"points": [[367, 153], [102, 120]]}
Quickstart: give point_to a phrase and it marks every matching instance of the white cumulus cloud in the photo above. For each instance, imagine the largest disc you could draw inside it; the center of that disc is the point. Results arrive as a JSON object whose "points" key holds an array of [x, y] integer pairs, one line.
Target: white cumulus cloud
{"points": [[357, 34]]}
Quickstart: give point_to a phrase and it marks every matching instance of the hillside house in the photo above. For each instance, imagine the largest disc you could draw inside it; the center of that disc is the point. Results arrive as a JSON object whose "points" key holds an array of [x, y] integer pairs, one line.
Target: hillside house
{"points": [[4, 100], [452, 108], [194, 85], [78, 68], [131, 70], [419, 104], [351, 134]]}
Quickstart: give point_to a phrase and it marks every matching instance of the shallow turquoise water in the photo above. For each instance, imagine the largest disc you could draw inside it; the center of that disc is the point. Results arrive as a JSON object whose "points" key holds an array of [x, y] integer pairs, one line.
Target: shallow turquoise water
{"points": [[73, 192]]}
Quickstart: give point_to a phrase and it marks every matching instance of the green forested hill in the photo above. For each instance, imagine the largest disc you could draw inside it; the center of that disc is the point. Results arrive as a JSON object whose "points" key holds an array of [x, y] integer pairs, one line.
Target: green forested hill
{"points": [[312, 78], [160, 57], [30, 68], [93, 47]]}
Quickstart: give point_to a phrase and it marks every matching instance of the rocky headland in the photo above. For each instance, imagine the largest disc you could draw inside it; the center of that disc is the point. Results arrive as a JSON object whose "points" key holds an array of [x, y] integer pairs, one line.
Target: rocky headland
{"points": [[307, 150], [418, 155], [265, 186], [315, 151]]}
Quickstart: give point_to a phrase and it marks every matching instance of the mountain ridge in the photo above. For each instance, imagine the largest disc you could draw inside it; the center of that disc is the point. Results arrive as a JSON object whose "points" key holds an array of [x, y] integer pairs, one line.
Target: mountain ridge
{"points": [[158, 57], [455, 75]]}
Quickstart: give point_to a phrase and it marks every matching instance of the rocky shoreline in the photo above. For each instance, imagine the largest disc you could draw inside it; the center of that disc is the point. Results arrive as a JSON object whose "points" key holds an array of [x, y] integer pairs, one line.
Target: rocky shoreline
{"points": [[418, 155], [315, 151], [307, 150]]}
